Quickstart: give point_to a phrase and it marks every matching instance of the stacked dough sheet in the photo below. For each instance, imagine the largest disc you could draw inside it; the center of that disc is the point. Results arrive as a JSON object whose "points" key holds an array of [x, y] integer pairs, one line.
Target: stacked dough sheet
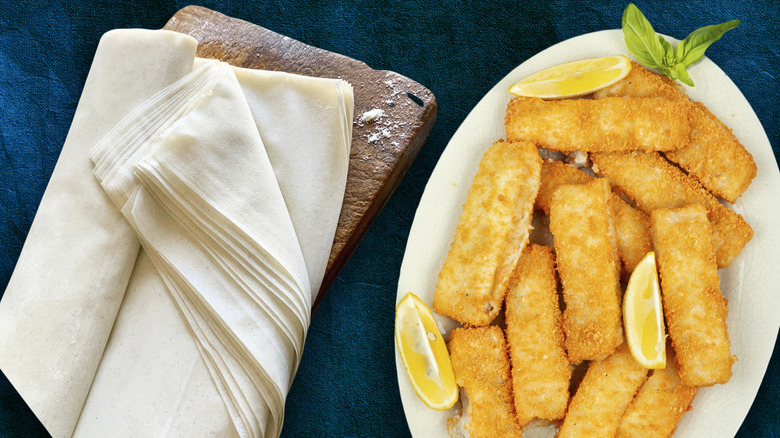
{"points": [[166, 284]]}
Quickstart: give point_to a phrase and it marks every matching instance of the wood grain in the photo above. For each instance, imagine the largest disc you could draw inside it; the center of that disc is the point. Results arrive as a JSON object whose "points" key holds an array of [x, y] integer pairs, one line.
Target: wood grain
{"points": [[382, 149]]}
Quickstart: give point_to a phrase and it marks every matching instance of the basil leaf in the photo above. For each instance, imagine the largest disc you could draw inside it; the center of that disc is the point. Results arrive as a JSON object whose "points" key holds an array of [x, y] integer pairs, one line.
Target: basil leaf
{"points": [[641, 39], [669, 72], [682, 74], [691, 49], [667, 58], [654, 51]]}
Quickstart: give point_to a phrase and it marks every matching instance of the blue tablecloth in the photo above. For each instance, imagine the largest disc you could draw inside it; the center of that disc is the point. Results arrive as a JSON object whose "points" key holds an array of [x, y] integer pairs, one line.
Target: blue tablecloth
{"points": [[346, 385]]}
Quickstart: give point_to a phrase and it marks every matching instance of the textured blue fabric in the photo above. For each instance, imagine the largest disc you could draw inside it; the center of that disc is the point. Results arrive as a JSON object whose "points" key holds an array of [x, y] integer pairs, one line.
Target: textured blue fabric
{"points": [[346, 385]]}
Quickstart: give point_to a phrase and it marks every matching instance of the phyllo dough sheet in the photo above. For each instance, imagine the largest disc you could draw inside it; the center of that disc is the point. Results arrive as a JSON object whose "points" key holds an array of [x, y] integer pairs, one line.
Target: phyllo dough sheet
{"points": [[61, 301], [232, 180]]}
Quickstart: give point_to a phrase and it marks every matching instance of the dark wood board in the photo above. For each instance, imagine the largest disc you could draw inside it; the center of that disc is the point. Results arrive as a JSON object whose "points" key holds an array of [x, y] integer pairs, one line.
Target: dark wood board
{"points": [[382, 150]]}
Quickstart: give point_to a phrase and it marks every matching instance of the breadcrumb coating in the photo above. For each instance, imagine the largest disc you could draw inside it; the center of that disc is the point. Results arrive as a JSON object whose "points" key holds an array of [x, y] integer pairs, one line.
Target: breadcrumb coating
{"points": [[694, 307], [714, 155], [632, 226], [652, 182], [609, 124], [481, 366], [540, 368], [659, 406], [491, 234], [604, 394], [586, 253]]}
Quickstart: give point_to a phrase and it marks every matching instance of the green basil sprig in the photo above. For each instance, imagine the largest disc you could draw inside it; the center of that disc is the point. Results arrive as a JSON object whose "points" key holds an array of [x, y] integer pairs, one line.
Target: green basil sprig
{"points": [[653, 51]]}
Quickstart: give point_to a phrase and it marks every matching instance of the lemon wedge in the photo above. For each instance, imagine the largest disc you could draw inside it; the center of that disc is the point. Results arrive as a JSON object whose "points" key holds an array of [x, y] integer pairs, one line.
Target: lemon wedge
{"points": [[573, 78], [424, 354], [643, 316]]}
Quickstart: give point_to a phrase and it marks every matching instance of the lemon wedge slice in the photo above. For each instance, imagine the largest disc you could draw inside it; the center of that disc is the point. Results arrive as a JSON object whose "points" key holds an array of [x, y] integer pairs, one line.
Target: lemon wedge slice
{"points": [[424, 354], [573, 78], [643, 316]]}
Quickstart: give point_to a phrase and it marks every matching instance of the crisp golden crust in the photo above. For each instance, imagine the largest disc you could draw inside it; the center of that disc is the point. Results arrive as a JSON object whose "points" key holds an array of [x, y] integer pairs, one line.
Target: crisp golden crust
{"points": [[491, 234], [609, 124], [730, 233], [586, 252], [632, 226], [554, 175], [694, 308], [601, 399], [714, 156], [481, 366], [540, 368], [658, 406], [641, 82], [652, 183], [633, 233]]}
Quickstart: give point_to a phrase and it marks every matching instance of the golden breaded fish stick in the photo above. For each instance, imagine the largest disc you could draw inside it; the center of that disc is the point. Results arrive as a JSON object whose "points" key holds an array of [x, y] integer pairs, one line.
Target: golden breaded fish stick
{"points": [[586, 254], [540, 368], [694, 308], [632, 226], [652, 182], [481, 367], [554, 175], [609, 124], [714, 156], [604, 394], [641, 82], [658, 406], [491, 234]]}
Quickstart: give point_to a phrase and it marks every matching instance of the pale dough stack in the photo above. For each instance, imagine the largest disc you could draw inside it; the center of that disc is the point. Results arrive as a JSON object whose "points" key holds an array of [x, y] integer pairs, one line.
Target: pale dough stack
{"points": [[232, 182]]}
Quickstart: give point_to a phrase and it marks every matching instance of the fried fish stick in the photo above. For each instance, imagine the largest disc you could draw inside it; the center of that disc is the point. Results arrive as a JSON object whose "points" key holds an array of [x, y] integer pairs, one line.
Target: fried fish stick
{"points": [[554, 175], [588, 265], [652, 182], [481, 367], [658, 406], [714, 156], [540, 368], [641, 82], [632, 226], [606, 390], [609, 124], [694, 308], [491, 234]]}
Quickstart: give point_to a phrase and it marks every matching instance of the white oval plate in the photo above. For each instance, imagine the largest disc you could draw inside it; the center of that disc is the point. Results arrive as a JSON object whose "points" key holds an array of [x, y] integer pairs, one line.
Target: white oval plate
{"points": [[750, 283]]}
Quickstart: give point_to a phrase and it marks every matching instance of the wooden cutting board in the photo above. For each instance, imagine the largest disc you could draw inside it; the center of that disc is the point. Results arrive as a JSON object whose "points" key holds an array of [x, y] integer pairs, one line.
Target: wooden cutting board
{"points": [[382, 149]]}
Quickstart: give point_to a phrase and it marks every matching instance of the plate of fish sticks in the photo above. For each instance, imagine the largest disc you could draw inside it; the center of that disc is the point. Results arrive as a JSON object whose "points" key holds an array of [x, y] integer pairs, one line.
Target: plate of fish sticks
{"points": [[532, 223]]}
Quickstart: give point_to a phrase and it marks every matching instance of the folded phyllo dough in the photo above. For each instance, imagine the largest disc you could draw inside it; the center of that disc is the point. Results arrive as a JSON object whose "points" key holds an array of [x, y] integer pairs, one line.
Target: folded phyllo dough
{"points": [[481, 366], [491, 234]]}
